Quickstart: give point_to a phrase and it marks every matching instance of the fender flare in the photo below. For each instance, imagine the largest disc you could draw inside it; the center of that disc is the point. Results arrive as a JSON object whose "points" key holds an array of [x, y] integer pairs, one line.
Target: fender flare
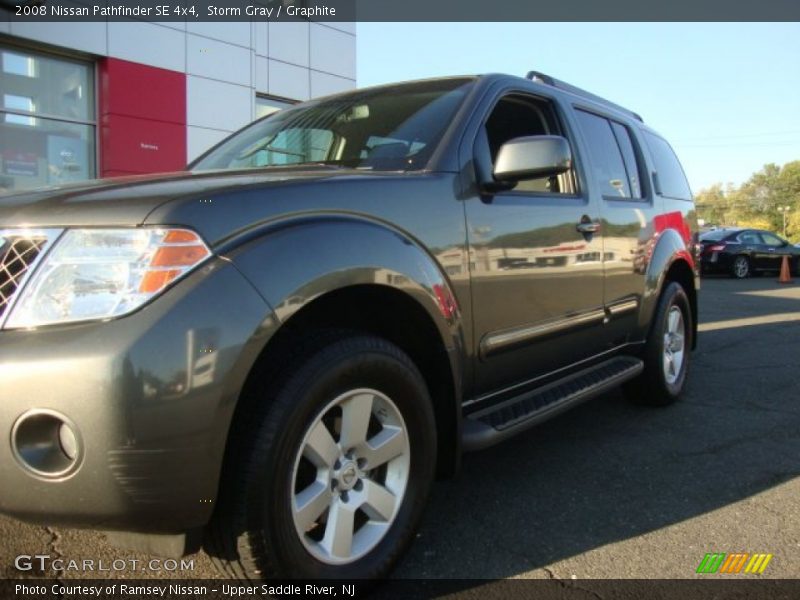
{"points": [[297, 260], [669, 249]]}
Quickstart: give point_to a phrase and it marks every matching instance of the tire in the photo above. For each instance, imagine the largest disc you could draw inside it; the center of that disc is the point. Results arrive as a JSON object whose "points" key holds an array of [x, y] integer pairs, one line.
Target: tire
{"points": [[740, 268], [659, 384], [300, 465]]}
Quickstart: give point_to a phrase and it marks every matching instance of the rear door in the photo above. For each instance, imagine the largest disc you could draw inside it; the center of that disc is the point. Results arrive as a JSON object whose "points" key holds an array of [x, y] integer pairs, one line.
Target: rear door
{"points": [[629, 216]]}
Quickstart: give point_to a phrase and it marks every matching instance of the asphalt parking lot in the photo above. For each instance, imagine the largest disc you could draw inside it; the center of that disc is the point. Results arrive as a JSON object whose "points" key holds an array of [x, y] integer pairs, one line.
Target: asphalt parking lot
{"points": [[609, 490]]}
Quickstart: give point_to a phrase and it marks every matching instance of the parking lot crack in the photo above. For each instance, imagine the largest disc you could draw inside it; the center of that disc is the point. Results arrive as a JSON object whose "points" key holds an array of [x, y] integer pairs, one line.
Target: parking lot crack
{"points": [[747, 407], [738, 368], [776, 433], [55, 553]]}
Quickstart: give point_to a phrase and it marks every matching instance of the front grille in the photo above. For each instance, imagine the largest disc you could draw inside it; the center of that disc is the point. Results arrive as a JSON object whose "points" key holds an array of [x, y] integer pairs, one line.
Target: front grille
{"points": [[17, 255]]}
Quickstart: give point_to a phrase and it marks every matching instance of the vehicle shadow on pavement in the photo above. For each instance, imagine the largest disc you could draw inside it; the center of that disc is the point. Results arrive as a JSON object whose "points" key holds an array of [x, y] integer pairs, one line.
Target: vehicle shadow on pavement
{"points": [[611, 471]]}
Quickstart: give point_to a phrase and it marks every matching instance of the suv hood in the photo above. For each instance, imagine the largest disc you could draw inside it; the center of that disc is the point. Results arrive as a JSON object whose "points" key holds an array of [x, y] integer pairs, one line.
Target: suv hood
{"points": [[127, 201]]}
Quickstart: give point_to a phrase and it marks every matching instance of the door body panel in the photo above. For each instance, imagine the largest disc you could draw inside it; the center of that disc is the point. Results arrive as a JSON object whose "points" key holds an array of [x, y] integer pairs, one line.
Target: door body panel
{"points": [[537, 286], [772, 251]]}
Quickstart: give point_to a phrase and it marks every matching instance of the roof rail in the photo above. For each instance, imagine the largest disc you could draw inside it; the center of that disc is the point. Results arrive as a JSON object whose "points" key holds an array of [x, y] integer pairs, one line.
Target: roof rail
{"points": [[556, 83]]}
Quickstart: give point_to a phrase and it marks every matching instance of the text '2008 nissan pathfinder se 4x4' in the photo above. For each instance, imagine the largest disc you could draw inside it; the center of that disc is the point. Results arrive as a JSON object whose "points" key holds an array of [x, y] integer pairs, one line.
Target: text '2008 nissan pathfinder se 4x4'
{"points": [[281, 347]]}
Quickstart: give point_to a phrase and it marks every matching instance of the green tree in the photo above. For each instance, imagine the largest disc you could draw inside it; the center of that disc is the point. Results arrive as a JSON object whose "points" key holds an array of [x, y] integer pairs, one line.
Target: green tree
{"points": [[757, 201], [793, 224], [717, 205]]}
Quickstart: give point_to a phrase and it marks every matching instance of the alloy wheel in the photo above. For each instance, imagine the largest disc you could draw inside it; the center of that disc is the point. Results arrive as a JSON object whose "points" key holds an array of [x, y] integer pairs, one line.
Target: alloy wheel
{"points": [[674, 345], [741, 267], [350, 475]]}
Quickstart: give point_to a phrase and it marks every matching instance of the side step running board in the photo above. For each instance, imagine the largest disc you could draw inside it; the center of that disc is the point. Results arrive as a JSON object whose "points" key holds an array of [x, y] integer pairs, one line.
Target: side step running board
{"points": [[486, 427]]}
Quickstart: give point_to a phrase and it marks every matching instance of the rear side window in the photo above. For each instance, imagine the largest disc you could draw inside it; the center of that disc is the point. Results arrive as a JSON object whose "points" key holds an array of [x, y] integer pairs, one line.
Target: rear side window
{"points": [[671, 180], [629, 156], [608, 165], [772, 240]]}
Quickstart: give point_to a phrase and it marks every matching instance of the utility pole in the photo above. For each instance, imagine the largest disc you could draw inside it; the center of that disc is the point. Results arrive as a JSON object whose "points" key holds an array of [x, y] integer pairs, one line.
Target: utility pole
{"points": [[784, 210]]}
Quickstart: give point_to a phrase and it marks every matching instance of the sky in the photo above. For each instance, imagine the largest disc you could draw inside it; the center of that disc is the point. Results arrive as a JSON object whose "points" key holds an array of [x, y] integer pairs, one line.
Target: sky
{"points": [[725, 95]]}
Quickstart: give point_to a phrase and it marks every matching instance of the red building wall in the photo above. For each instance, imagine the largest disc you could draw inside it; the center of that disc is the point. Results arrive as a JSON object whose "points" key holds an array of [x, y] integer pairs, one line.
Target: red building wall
{"points": [[142, 119]]}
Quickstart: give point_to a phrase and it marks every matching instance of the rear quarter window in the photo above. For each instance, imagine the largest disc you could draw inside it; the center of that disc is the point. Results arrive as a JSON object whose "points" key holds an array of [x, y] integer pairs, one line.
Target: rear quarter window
{"points": [[671, 181]]}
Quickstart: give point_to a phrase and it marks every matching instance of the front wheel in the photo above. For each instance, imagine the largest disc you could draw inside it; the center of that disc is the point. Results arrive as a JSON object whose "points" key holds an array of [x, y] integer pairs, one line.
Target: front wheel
{"points": [[666, 354], [331, 468]]}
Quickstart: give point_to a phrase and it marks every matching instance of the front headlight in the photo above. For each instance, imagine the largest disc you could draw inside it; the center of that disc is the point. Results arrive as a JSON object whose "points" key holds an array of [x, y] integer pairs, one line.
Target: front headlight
{"points": [[105, 273]]}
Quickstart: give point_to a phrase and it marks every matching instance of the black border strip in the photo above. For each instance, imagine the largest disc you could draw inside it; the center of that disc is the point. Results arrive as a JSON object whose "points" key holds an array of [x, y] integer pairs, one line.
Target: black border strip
{"points": [[702, 588]]}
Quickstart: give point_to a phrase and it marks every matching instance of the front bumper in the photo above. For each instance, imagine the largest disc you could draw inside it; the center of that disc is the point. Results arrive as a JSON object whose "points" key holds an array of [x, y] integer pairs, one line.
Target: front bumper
{"points": [[151, 396]]}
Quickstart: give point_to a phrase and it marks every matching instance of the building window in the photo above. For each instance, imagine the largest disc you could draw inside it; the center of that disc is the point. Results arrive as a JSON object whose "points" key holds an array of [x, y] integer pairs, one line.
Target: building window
{"points": [[266, 105], [47, 120]]}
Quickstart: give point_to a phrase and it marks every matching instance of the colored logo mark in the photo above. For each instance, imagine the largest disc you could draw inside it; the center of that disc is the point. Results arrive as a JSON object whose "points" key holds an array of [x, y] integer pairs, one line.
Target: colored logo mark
{"points": [[742, 562]]}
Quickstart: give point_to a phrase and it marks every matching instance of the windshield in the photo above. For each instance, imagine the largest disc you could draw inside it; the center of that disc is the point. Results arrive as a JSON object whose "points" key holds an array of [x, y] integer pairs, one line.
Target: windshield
{"points": [[389, 128]]}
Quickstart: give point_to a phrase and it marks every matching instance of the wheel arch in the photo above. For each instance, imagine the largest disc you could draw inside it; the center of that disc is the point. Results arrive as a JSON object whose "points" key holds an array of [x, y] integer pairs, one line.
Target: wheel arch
{"points": [[671, 261], [385, 284]]}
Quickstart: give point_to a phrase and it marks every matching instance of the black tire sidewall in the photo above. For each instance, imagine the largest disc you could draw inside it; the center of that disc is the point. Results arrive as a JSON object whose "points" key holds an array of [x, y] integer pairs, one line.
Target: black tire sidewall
{"points": [[360, 362]]}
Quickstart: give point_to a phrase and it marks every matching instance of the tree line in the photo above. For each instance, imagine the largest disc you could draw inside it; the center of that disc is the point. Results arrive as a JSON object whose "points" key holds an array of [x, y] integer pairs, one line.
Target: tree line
{"points": [[760, 202]]}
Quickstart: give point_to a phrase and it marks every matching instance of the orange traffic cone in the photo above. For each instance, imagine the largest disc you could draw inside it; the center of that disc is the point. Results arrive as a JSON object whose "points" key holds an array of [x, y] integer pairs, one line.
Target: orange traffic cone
{"points": [[785, 275]]}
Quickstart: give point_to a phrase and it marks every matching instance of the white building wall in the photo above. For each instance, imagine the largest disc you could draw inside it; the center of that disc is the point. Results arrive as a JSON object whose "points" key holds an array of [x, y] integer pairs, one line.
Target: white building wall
{"points": [[226, 64]]}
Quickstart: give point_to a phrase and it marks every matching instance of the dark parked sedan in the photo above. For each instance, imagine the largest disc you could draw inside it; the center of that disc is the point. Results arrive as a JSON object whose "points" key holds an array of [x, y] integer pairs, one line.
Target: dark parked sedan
{"points": [[742, 252]]}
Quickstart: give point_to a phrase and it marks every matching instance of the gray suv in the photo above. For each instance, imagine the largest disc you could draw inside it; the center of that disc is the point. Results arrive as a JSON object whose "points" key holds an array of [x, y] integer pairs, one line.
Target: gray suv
{"points": [[277, 351]]}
